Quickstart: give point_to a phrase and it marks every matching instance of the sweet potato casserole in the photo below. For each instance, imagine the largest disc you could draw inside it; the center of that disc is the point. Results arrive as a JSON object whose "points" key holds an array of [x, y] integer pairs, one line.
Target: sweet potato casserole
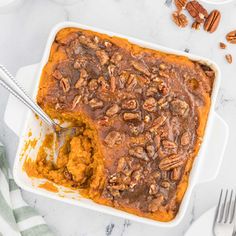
{"points": [[141, 113]]}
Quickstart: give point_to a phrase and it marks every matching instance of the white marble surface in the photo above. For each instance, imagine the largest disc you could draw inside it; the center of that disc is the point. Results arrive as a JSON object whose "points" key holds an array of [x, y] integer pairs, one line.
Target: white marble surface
{"points": [[23, 33]]}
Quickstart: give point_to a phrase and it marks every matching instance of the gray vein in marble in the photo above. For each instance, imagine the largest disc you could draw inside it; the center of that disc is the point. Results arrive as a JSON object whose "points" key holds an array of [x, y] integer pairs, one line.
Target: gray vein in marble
{"points": [[222, 100], [126, 224], [109, 229], [168, 3]]}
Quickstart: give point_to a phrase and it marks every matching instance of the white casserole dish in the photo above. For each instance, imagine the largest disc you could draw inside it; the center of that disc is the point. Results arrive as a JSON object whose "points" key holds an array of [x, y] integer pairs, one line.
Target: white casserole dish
{"points": [[206, 164]]}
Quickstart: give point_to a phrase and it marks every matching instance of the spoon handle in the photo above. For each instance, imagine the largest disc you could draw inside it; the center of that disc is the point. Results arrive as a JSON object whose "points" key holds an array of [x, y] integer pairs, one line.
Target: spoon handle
{"points": [[8, 81]]}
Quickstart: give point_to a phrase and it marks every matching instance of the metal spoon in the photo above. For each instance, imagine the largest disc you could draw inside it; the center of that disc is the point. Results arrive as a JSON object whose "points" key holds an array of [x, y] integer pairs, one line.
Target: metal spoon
{"points": [[8, 82]]}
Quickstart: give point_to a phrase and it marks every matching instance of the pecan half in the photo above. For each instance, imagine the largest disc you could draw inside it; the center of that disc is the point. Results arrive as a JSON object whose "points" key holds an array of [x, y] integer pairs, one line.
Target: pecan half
{"points": [[102, 56], [156, 203], [229, 58], [179, 19], [95, 103], [231, 37], [150, 104], [169, 144], [176, 174], [222, 45], [114, 109], [157, 123], [57, 75], [196, 25], [171, 162], [76, 101], [180, 4], [185, 139], [113, 138], [212, 21], [128, 116], [197, 11], [129, 104], [139, 153], [65, 84], [141, 67]]}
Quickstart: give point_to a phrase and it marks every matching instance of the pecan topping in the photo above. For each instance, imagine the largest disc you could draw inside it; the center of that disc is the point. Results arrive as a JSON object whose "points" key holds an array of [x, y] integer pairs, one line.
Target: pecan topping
{"points": [[171, 162], [116, 57], [150, 104], [114, 109], [185, 139], [113, 138], [156, 203], [129, 104], [57, 74], [131, 83], [102, 56], [151, 151], [92, 85], [231, 37], [180, 20], [95, 103], [153, 189], [197, 11], [157, 123], [179, 107], [76, 101], [176, 174], [65, 84], [222, 45], [141, 67], [180, 4], [139, 152], [229, 58], [169, 144], [113, 84], [131, 116], [212, 21]]}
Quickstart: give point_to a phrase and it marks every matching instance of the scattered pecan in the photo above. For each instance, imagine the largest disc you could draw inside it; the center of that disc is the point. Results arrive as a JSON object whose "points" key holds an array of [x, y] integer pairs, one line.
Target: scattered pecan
{"points": [[180, 19], [95, 103], [185, 139], [65, 84], [157, 123], [197, 11], [128, 116], [141, 67], [114, 109], [150, 104], [229, 58], [113, 138], [76, 101], [165, 184], [171, 162], [231, 37], [196, 25], [57, 75], [139, 152], [68, 39], [180, 4], [147, 118], [212, 22], [121, 164], [222, 45], [129, 104], [111, 70], [151, 91]]}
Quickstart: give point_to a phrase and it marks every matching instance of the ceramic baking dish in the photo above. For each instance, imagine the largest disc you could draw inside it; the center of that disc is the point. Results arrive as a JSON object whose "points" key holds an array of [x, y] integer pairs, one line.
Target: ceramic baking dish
{"points": [[205, 167]]}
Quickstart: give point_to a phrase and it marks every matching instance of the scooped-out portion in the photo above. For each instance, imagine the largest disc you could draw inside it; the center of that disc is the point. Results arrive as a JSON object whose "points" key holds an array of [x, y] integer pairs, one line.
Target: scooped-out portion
{"points": [[141, 115]]}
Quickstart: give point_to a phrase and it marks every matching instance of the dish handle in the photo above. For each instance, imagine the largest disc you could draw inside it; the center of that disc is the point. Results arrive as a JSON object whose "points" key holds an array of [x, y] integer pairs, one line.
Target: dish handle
{"points": [[213, 154]]}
